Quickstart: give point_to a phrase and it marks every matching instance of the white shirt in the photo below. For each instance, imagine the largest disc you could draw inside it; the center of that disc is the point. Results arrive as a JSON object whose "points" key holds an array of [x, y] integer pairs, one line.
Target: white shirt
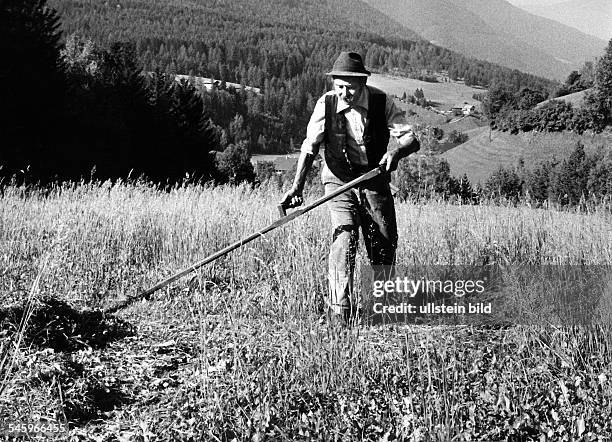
{"points": [[356, 116]]}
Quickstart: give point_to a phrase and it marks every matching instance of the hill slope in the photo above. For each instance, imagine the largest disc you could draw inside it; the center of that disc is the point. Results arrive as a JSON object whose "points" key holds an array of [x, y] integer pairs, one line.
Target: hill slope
{"points": [[495, 30], [576, 99], [480, 156], [556, 39], [225, 40], [593, 17], [444, 95]]}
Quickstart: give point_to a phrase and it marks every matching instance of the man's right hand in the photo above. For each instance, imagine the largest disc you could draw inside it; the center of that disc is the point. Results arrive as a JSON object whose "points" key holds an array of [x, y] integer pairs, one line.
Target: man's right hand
{"points": [[293, 198]]}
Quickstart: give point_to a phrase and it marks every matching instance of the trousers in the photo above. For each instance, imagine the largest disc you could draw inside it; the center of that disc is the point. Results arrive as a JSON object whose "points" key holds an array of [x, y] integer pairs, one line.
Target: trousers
{"points": [[371, 210]]}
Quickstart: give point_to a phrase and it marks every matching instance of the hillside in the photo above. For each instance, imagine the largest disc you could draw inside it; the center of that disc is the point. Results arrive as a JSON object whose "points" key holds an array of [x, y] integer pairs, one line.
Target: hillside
{"points": [[498, 32], [593, 17], [562, 42], [443, 94], [575, 99], [478, 158], [251, 41], [281, 47]]}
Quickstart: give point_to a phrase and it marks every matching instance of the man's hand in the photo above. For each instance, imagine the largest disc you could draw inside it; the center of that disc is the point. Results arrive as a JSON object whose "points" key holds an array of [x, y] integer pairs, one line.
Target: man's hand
{"points": [[391, 158], [293, 198]]}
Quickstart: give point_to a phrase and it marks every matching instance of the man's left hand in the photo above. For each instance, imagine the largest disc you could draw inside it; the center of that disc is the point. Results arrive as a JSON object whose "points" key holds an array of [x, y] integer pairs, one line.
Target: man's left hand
{"points": [[391, 158]]}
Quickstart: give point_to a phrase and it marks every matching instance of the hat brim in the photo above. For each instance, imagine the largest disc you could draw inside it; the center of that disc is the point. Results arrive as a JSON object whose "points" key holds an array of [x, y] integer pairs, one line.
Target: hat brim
{"points": [[348, 74]]}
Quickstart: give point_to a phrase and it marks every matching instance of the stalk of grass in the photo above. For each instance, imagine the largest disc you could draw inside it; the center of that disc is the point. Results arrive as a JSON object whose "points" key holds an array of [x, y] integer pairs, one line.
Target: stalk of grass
{"points": [[12, 351]]}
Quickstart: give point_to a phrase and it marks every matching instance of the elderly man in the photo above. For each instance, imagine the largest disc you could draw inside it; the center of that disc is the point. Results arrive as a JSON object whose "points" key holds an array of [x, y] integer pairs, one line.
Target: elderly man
{"points": [[353, 123]]}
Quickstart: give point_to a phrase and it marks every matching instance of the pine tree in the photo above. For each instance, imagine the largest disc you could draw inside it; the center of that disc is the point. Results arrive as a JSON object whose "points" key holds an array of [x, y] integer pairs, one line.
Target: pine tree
{"points": [[603, 80], [569, 180], [32, 84]]}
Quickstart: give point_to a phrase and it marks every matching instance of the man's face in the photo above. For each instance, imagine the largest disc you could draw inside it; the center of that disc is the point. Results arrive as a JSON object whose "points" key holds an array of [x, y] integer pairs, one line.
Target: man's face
{"points": [[349, 88]]}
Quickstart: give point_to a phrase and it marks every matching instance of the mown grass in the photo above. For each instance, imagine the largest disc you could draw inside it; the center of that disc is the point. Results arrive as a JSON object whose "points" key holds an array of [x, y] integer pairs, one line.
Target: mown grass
{"points": [[486, 151], [237, 351]]}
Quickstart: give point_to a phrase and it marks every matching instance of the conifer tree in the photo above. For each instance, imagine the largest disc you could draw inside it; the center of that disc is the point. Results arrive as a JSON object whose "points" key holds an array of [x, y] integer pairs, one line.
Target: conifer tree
{"points": [[31, 84]]}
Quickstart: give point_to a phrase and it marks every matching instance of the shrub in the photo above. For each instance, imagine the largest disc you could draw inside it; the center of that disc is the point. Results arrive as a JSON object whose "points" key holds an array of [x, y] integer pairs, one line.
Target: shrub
{"points": [[264, 170], [234, 164], [457, 137], [599, 181], [504, 183], [568, 182], [425, 176], [537, 181]]}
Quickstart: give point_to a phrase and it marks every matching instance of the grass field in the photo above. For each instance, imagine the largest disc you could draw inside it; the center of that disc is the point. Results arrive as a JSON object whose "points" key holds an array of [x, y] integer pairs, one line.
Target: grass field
{"points": [[237, 351], [444, 95], [576, 99]]}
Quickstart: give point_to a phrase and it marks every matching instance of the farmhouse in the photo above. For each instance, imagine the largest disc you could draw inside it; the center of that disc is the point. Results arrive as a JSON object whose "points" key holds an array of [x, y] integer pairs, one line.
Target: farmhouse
{"points": [[464, 109], [469, 109]]}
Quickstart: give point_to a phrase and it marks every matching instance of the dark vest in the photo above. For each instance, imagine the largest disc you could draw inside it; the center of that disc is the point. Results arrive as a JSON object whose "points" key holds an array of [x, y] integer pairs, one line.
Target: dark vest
{"points": [[375, 136]]}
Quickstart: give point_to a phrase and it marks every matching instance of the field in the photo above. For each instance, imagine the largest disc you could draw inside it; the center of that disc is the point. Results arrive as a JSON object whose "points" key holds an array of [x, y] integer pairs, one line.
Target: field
{"points": [[237, 351], [576, 99], [444, 95]]}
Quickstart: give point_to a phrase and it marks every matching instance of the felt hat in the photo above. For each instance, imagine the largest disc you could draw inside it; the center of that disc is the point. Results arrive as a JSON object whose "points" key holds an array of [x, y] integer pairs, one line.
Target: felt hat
{"points": [[349, 64]]}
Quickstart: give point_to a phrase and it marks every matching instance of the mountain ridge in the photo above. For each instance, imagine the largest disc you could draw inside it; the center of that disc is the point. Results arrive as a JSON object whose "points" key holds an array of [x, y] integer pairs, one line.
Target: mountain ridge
{"points": [[481, 29], [593, 17], [555, 38]]}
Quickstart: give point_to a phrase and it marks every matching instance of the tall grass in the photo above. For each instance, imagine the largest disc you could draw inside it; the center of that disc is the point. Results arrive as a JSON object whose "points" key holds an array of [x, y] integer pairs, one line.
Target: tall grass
{"points": [[246, 356]]}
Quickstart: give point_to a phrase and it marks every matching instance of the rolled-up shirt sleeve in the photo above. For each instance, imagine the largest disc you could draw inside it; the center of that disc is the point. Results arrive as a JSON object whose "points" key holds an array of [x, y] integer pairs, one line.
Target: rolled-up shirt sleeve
{"points": [[398, 127], [316, 129]]}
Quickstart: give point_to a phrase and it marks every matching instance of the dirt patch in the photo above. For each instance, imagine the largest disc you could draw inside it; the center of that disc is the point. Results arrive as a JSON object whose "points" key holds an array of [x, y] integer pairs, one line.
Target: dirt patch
{"points": [[55, 324]]}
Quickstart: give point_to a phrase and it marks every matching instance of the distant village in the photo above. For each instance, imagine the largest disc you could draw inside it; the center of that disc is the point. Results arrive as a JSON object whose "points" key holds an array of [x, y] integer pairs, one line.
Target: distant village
{"points": [[461, 109], [211, 84]]}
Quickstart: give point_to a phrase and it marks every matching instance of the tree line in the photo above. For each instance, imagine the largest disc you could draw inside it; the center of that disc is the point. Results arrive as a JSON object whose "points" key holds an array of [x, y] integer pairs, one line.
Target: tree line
{"points": [[78, 110], [571, 181], [516, 110], [283, 47], [577, 180]]}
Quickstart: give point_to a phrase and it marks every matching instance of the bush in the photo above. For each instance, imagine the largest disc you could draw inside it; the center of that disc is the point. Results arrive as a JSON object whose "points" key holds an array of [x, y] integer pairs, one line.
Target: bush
{"points": [[554, 116], [568, 182], [264, 170], [425, 176], [599, 181], [457, 137], [234, 164], [537, 181], [504, 183]]}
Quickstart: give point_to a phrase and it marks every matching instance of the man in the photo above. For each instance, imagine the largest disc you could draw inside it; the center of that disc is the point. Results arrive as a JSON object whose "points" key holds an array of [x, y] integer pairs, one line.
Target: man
{"points": [[354, 123]]}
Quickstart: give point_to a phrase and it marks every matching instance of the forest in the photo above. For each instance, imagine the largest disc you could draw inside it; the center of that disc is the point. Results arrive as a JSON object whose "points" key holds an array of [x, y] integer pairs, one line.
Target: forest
{"points": [[96, 95], [283, 47], [524, 110]]}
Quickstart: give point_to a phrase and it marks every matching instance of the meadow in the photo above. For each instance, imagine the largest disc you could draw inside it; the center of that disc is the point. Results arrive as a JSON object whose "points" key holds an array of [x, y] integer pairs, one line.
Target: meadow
{"points": [[444, 95], [486, 151], [237, 350]]}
